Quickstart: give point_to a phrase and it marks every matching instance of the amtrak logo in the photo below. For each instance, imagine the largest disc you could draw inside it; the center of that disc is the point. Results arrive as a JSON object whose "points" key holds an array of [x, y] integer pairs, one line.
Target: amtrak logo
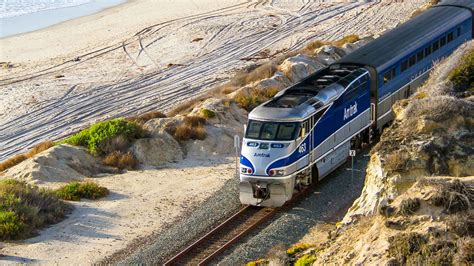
{"points": [[265, 155], [350, 111]]}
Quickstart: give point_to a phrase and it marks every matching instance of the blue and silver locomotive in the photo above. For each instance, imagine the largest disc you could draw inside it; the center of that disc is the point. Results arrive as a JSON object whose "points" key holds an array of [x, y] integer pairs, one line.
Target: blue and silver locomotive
{"points": [[306, 131]]}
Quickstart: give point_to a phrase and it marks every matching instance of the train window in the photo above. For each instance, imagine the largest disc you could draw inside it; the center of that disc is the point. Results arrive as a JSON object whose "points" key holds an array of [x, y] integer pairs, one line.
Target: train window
{"points": [[386, 77], [419, 56], [269, 131], [450, 37], [459, 31], [435, 46], [404, 66], [285, 131], [412, 61], [253, 130], [428, 50], [442, 41]]}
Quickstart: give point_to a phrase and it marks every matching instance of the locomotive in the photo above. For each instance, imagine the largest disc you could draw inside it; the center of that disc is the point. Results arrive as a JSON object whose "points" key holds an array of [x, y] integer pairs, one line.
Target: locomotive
{"points": [[306, 131]]}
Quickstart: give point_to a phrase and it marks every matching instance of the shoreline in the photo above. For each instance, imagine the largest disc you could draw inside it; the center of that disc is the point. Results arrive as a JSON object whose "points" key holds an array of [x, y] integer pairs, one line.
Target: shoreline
{"points": [[82, 34], [43, 19]]}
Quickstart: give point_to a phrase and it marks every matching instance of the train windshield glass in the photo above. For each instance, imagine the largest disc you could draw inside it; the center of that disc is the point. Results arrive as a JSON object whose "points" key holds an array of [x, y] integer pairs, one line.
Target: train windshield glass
{"points": [[271, 130]]}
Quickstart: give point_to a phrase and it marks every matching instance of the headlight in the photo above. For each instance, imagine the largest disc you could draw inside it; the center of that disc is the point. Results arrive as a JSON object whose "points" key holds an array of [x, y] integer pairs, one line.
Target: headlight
{"points": [[246, 170], [276, 172]]}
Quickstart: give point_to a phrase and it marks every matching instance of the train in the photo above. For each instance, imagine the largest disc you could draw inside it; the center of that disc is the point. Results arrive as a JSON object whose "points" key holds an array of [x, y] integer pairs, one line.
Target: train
{"points": [[307, 130]]}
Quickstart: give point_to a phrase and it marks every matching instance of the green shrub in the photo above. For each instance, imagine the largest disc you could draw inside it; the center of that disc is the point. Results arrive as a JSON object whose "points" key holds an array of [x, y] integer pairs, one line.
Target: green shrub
{"points": [[297, 248], [306, 259], [462, 76], [81, 190], [255, 97], [206, 113], [25, 208], [10, 225], [93, 137]]}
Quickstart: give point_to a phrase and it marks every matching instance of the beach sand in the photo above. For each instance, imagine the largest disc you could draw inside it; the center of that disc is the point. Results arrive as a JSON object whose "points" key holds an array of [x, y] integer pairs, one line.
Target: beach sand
{"points": [[141, 56], [155, 54]]}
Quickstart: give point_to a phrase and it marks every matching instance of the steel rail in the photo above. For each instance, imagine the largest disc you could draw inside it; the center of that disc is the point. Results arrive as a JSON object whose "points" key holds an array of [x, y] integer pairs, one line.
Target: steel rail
{"points": [[202, 252]]}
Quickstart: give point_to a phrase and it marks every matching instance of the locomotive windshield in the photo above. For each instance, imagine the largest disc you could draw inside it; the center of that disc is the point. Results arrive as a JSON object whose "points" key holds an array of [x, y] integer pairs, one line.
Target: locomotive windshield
{"points": [[272, 130]]}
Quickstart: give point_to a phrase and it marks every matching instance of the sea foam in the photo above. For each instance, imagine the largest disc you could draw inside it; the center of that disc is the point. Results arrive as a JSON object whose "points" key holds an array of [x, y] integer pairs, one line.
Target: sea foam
{"points": [[12, 8]]}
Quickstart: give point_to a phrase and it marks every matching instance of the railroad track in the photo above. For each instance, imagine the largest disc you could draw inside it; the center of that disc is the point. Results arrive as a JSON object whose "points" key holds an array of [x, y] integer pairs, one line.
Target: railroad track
{"points": [[223, 236]]}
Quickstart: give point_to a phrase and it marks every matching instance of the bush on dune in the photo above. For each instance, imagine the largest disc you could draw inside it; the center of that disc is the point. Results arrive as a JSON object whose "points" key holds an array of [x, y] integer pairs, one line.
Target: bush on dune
{"points": [[81, 190], [255, 97], [93, 137], [462, 76], [193, 127], [121, 160], [16, 159], [147, 116], [25, 208]]}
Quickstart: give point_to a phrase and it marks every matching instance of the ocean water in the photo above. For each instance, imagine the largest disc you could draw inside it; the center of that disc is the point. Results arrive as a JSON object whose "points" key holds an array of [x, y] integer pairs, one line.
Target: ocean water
{"points": [[20, 16], [11, 8]]}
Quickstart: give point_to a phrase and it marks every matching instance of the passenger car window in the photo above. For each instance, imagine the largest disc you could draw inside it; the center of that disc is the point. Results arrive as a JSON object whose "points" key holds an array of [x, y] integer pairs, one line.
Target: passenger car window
{"points": [[389, 75], [442, 41], [459, 31], [404, 66], [427, 50], [412, 61], [450, 37], [419, 56], [435, 46]]}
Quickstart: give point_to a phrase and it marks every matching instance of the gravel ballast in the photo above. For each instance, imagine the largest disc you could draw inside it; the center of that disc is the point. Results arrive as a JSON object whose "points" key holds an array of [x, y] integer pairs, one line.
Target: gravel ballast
{"points": [[162, 245], [327, 204]]}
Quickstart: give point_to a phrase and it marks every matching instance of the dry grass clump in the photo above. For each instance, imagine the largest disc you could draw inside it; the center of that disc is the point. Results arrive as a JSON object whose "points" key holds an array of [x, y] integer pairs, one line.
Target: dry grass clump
{"points": [[185, 132], [25, 208], [312, 46], [12, 161], [121, 160], [39, 148], [346, 39], [465, 254], [454, 196], [76, 191], [261, 72], [193, 127], [255, 97], [16, 159], [406, 246], [461, 224], [409, 206], [147, 116], [397, 160]]}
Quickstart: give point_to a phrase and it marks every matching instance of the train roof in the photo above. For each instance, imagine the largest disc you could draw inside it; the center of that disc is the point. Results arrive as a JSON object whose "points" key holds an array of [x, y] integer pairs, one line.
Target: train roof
{"points": [[460, 3], [308, 96], [405, 39]]}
